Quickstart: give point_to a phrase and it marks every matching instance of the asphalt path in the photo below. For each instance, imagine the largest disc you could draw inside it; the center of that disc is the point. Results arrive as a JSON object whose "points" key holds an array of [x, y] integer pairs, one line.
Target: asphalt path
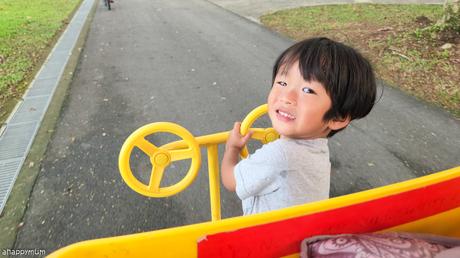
{"points": [[203, 67]]}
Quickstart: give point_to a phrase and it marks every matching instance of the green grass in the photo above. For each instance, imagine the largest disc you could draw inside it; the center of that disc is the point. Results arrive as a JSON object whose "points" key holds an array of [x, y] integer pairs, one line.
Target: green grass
{"points": [[319, 18], [398, 39], [27, 31]]}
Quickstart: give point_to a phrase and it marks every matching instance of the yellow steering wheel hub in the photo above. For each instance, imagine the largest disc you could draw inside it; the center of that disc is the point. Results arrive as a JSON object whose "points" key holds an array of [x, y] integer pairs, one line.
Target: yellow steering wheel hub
{"points": [[161, 159], [271, 136]]}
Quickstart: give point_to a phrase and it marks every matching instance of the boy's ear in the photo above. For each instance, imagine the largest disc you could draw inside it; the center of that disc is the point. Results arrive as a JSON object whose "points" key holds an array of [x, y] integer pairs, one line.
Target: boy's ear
{"points": [[339, 123]]}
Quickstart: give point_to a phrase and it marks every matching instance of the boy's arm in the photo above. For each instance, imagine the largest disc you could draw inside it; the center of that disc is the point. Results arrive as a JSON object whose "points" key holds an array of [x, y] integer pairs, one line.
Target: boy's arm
{"points": [[235, 143], [228, 164]]}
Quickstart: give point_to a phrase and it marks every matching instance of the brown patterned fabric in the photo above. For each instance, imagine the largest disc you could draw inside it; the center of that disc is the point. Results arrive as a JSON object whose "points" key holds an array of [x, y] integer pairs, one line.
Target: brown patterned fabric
{"points": [[375, 245]]}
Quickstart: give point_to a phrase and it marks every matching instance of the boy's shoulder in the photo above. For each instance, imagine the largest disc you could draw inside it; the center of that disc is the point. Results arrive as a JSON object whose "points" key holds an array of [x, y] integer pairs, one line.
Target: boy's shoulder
{"points": [[311, 145], [283, 149], [272, 151], [288, 145], [273, 146]]}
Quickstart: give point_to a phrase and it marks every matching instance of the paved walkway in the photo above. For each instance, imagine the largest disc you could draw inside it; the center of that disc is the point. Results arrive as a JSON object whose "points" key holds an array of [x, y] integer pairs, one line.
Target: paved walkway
{"points": [[179, 61]]}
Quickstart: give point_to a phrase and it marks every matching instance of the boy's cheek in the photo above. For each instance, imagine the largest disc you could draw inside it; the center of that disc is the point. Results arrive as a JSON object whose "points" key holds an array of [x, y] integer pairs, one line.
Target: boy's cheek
{"points": [[271, 114], [271, 95]]}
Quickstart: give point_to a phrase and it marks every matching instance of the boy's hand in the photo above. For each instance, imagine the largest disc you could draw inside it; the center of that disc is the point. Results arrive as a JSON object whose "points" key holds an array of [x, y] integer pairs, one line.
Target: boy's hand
{"points": [[235, 140], [235, 143]]}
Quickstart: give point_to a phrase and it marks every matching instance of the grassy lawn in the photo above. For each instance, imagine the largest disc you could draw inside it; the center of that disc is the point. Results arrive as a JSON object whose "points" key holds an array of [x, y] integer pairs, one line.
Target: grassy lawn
{"points": [[394, 38], [28, 31]]}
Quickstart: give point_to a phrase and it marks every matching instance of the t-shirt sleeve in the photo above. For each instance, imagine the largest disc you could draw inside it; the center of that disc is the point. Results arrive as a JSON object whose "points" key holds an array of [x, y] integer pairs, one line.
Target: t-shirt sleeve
{"points": [[257, 174]]}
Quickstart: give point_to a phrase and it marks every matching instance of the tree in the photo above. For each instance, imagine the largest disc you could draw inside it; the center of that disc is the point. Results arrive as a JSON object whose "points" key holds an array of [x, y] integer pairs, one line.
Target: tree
{"points": [[451, 16]]}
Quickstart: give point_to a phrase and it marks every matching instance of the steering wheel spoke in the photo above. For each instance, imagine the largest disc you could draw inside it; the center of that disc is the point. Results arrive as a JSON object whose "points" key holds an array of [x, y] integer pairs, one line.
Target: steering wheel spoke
{"points": [[155, 178], [146, 146], [181, 154]]}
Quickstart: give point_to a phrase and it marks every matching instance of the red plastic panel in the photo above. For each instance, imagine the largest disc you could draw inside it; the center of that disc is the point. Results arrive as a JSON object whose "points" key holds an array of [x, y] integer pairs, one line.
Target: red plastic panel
{"points": [[283, 237]]}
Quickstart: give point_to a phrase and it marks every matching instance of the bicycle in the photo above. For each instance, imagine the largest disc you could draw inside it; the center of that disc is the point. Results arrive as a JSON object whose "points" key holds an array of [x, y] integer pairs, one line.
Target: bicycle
{"points": [[107, 4]]}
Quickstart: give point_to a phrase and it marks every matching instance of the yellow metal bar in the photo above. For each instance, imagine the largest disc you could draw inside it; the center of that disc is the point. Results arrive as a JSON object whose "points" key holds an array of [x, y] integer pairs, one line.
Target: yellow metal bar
{"points": [[214, 184], [216, 138], [264, 135]]}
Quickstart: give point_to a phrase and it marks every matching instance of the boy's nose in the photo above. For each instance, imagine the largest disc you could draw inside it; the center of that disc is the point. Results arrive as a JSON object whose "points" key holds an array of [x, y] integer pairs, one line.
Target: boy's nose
{"points": [[287, 101], [289, 97]]}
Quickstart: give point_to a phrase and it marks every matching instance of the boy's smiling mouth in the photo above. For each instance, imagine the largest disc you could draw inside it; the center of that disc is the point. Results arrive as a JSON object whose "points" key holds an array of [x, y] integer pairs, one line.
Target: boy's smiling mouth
{"points": [[284, 116]]}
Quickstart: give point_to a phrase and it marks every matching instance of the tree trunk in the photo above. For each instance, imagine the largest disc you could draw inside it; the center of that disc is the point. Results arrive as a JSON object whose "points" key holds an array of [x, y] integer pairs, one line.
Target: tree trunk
{"points": [[451, 16]]}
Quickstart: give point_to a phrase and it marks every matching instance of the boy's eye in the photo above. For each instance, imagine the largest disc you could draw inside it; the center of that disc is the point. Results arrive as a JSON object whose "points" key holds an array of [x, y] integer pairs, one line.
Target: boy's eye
{"points": [[282, 83], [308, 90]]}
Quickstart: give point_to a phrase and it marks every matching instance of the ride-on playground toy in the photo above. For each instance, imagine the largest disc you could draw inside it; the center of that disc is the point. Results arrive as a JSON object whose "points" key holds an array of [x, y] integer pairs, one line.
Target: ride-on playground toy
{"points": [[429, 204]]}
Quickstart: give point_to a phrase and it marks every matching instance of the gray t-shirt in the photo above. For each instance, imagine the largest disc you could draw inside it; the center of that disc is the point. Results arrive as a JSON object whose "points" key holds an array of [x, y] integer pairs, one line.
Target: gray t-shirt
{"points": [[284, 173]]}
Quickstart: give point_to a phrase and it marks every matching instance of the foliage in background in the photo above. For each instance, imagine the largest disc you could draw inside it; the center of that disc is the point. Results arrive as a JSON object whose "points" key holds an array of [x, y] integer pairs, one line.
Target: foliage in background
{"points": [[398, 40], [27, 31], [451, 16]]}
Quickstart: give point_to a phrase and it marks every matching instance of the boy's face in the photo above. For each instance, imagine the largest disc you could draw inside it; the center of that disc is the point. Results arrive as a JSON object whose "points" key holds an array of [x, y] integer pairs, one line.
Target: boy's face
{"points": [[296, 107]]}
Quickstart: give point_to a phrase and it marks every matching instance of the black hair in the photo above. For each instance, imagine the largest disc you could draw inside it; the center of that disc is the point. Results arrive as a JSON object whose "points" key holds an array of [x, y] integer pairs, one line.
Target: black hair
{"points": [[347, 76]]}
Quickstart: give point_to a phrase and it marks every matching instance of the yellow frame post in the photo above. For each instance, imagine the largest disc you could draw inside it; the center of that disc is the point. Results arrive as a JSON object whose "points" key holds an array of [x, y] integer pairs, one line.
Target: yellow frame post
{"points": [[214, 184]]}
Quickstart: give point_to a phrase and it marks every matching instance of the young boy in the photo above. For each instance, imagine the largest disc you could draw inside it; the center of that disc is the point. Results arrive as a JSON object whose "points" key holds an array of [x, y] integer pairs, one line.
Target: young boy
{"points": [[318, 87]]}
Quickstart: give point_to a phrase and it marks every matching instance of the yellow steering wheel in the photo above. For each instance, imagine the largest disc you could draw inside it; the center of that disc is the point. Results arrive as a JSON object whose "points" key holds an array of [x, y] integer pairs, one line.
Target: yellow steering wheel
{"points": [[264, 135], [160, 159]]}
